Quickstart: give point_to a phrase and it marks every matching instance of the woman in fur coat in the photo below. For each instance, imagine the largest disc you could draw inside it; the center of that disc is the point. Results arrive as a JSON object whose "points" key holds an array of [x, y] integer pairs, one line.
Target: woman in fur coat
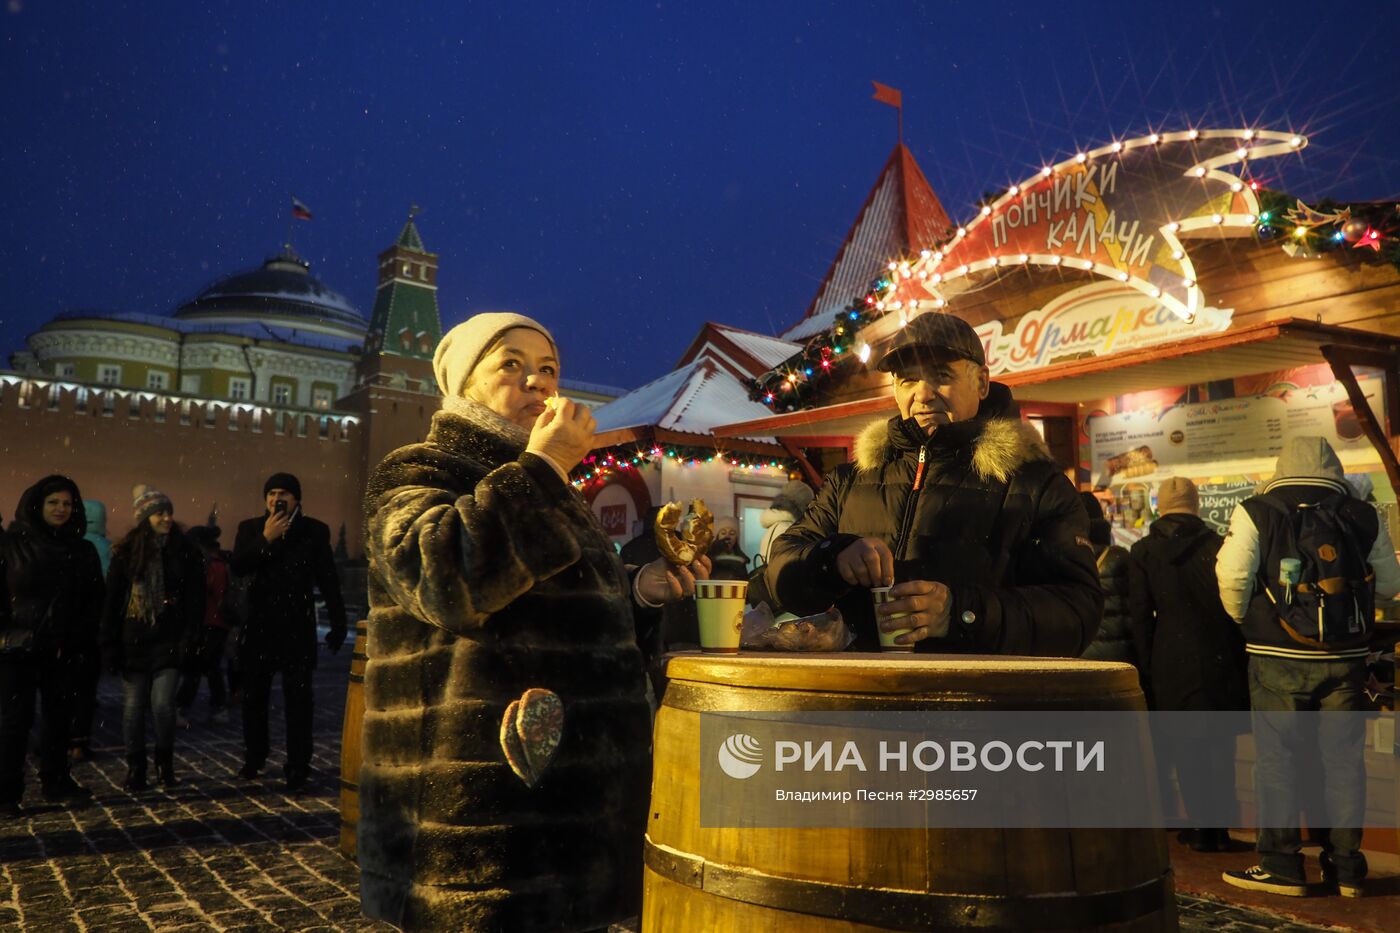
{"points": [[505, 770]]}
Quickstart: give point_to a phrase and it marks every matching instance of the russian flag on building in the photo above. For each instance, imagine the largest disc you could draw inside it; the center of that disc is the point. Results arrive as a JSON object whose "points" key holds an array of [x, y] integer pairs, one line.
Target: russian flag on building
{"points": [[299, 210]]}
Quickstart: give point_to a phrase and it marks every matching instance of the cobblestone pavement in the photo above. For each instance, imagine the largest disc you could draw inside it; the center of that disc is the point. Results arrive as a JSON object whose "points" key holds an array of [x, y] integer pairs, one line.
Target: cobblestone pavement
{"points": [[214, 853], [1198, 915], [217, 853]]}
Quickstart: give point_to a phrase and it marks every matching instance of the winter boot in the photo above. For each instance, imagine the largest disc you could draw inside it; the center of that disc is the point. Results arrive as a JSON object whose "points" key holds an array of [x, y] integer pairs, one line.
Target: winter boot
{"points": [[135, 774], [165, 767]]}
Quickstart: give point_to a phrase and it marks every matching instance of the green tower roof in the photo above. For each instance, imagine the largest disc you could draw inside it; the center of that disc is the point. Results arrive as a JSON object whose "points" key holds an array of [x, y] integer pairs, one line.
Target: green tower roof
{"points": [[409, 238]]}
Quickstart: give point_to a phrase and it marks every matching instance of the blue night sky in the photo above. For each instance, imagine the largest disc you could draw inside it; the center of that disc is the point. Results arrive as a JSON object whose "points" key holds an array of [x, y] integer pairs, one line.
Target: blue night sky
{"points": [[624, 172]]}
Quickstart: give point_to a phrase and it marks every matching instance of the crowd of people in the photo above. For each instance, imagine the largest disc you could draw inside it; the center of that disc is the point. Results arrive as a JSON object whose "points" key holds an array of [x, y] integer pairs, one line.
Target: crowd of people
{"points": [[506, 741], [157, 611], [1274, 619]]}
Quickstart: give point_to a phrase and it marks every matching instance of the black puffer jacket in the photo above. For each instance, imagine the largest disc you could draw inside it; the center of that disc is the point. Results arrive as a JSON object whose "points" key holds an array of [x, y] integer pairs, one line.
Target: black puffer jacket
{"points": [[50, 578], [280, 630], [137, 645], [1114, 642], [1191, 652], [993, 518]]}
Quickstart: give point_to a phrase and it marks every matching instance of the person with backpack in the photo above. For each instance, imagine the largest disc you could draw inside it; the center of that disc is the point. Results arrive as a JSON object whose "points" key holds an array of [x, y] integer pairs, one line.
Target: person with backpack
{"points": [[1300, 569]]}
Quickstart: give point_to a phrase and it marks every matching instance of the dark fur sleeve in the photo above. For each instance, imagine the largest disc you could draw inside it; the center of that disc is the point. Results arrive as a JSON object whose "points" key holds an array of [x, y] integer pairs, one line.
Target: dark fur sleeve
{"points": [[454, 542]]}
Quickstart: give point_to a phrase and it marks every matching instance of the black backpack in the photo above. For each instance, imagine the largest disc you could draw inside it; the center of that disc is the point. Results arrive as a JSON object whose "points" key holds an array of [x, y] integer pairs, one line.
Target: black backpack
{"points": [[1333, 604]]}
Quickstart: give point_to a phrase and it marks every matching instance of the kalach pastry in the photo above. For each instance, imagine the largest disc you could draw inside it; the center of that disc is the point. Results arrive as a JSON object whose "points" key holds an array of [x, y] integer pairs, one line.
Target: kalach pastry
{"points": [[682, 538]]}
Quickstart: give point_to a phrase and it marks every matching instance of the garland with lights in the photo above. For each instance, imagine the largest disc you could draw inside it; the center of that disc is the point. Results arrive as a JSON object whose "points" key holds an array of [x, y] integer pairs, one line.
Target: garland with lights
{"points": [[789, 385], [601, 466], [1302, 231], [1307, 232]]}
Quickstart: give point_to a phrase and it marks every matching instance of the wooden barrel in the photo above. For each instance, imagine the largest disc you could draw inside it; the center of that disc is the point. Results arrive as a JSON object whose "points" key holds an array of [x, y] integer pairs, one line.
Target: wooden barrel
{"points": [[856, 880], [350, 744]]}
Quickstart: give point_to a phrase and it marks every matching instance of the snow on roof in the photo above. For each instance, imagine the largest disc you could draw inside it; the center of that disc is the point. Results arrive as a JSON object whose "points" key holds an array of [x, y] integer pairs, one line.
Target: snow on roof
{"points": [[597, 388], [694, 398], [770, 351], [255, 330]]}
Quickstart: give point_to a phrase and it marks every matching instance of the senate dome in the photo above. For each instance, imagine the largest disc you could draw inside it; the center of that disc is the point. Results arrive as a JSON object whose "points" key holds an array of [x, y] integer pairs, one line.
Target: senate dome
{"points": [[281, 293]]}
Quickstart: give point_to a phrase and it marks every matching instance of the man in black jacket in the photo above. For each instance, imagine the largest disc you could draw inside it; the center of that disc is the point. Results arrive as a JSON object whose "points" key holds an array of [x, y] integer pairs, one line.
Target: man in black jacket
{"points": [[287, 554], [956, 503]]}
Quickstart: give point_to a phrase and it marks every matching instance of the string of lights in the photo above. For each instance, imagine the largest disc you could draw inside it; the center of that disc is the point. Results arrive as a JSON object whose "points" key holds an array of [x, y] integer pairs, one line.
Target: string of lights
{"points": [[910, 284]]}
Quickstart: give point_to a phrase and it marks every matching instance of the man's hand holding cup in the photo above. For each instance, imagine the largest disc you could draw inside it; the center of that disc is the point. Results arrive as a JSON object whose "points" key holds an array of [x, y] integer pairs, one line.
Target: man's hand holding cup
{"points": [[918, 608]]}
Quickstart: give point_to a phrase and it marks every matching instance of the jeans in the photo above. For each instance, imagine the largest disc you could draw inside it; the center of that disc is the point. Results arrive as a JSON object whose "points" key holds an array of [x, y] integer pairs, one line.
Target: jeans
{"points": [[208, 662], [1296, 753], [154, 691], [1204, 761], [297, 700], [20, 679]]}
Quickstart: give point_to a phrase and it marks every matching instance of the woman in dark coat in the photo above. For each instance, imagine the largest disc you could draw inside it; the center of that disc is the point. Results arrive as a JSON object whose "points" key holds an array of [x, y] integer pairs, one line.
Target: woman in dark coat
{"points": [[50, 598], [506, 750], [1191, 652], [1113, 642], [153, 613]]}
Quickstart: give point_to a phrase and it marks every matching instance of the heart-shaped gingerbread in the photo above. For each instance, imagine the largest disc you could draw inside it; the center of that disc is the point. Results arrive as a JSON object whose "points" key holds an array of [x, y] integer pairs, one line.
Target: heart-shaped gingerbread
{"points": [[530, 732]]}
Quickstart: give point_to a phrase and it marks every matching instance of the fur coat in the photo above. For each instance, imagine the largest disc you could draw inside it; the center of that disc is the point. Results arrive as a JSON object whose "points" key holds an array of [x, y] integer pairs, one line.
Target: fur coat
{"points": [[987, 513], [489, 576]]}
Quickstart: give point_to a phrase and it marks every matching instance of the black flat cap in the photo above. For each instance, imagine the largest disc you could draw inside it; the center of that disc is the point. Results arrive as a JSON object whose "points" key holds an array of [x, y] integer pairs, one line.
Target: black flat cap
{"points": [[934, 335]]}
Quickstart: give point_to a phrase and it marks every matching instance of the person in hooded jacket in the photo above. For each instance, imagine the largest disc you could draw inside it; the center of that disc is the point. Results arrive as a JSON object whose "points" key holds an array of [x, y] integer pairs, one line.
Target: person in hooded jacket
{"points": [[50, 598], [729, 560], [1113, 641], [782, 513], [1290, 672], [89, 671], [957, 504], [154, 608], [1190, 652]]}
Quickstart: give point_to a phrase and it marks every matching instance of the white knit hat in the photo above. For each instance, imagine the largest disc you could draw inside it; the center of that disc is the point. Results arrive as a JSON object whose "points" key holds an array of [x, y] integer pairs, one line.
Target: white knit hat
{"points": [[462, 347]]}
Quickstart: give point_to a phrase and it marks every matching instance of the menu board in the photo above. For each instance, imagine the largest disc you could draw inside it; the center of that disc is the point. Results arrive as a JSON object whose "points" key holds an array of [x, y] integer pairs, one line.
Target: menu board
{"points": [[1229, 437], [1218, 501]]}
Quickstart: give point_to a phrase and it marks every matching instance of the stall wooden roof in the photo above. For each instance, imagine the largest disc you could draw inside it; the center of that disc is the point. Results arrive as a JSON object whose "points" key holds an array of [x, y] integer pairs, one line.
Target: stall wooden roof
{"points": [[1256, 348]]}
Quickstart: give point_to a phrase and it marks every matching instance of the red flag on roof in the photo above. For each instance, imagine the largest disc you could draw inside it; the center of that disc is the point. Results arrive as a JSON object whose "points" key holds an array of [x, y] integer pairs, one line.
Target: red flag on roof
{"points": [[888, 95], [299, 210]]}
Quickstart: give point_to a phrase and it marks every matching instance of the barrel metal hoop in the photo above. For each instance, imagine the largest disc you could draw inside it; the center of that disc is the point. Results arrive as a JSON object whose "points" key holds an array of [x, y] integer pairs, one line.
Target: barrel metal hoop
{"points": [[898, 909], [710, 698], [357, 678]]}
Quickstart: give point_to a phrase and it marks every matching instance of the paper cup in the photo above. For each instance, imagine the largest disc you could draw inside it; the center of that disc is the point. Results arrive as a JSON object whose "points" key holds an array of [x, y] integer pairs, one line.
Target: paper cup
{"points": [[720, 607], [881, 594]]}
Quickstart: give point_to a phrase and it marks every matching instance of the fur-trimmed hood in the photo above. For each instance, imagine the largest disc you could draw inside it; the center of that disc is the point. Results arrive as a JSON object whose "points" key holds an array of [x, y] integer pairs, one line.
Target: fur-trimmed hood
{"points": [[1000, 446]]}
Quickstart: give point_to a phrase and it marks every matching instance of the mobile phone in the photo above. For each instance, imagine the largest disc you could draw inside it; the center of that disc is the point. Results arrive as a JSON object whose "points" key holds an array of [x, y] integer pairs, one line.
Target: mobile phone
{"points": [[279, 506]]}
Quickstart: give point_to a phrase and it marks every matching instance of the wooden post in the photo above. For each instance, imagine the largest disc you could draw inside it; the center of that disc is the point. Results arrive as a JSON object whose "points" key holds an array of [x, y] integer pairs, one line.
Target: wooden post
{"points": [[795, 452], [1342, 359]]}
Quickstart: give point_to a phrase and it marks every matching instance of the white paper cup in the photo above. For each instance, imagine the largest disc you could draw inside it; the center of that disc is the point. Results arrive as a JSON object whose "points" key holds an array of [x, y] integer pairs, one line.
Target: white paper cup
{"points": [[720, 607], [881, 594]]}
